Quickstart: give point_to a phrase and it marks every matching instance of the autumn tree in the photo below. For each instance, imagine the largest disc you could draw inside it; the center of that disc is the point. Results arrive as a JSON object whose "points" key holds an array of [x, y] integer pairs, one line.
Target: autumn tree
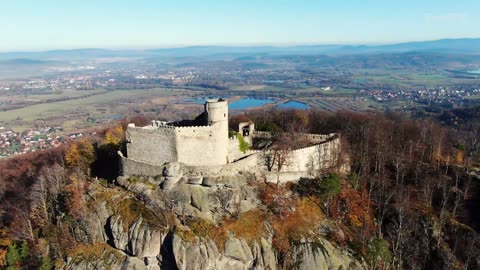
{"points": [[114, 136], [80, 154], [75, 190], [46, 192], [325, 188]]}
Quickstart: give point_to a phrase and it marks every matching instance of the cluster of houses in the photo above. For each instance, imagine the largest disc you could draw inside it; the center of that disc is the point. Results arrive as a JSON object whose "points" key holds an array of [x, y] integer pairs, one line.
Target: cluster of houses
{"points": [[440, 95], [14, 143]]}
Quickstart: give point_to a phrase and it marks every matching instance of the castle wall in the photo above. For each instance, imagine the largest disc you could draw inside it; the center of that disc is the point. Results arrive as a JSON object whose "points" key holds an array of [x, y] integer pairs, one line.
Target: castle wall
{"points": [[133, 167], [152, 146], [201, 146], [310, 160], [314, 158]]}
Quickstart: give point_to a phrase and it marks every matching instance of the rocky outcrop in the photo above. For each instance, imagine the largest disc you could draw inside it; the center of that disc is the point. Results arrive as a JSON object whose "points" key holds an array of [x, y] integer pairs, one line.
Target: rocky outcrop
{"points": [[139, 241], [195, 193], [237, 254], [120, 261], [321, 254], [142, 243], [143, 248]]}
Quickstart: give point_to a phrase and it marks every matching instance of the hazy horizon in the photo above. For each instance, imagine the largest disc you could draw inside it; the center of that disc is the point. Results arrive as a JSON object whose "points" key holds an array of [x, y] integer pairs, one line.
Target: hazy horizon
{"points": [[52, 24], [277, 45]]}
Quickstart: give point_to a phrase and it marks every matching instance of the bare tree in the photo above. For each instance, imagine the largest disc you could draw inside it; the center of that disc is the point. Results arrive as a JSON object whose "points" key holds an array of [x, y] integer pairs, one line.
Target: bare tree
{"points": [[22, 221], [223, 196], [443, 210], [40, 201], [472, 249], [399, 231], [428, 188], [383, 194]]}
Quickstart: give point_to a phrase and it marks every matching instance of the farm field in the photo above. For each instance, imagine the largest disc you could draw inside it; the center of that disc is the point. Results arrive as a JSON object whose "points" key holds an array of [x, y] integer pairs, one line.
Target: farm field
{"points": [[73, 113], [338, 103]]}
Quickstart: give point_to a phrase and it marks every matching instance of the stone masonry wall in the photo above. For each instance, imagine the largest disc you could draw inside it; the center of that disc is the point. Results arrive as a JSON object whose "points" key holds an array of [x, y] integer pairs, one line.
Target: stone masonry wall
{"points": [[198, 145], [314, 158], [201, 146], [132, 167], [152, 146]]}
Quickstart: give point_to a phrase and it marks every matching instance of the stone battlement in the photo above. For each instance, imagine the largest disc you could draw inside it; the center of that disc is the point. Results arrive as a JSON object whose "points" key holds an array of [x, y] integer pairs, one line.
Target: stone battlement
{"points": [[202, 142]]}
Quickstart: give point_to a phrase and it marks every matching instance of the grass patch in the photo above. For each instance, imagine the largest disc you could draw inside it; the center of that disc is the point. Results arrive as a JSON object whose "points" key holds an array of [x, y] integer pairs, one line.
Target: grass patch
{"points": [[249, 226], [299, 224], [96, 252], [130, 210]]}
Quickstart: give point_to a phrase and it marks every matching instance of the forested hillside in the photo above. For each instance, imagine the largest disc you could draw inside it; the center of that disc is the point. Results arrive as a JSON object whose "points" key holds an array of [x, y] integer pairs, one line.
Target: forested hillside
{"points": [[410, 201]]}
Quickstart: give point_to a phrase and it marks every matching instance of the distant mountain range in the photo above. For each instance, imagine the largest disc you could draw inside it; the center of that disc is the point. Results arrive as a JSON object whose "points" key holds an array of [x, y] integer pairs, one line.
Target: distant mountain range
{"points": [[453, 46]]}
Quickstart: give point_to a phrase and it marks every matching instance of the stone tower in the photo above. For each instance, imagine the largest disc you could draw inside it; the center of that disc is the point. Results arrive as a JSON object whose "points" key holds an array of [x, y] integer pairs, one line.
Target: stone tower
{"points": [[217, 117]]}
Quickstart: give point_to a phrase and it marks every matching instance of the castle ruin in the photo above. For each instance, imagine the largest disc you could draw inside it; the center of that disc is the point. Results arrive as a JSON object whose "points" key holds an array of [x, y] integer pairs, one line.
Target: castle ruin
{"points": [[203, 147]]}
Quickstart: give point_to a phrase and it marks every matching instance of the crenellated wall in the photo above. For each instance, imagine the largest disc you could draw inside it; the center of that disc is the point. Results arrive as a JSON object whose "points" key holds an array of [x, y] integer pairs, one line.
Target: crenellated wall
{"points": [[162, 142]]}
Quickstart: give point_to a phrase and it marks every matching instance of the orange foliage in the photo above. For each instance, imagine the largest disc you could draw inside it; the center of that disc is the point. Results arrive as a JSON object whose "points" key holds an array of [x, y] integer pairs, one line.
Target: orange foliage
{"points": [[76, 189], [291, 217], [352, 208], [80, 154], [93, 252], [300, 223], [278, 199], [459, 156], [249, 225], [114, 135], [4, 243]]}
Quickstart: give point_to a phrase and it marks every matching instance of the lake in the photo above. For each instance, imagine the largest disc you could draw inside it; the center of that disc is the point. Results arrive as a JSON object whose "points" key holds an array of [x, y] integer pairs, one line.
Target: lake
{"points": [[477, 71], [246, 103], [292, 104]]}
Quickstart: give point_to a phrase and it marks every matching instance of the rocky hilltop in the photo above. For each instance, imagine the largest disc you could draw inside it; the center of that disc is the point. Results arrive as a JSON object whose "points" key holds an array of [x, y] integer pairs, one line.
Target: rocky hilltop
{"points": [[175, 222]]}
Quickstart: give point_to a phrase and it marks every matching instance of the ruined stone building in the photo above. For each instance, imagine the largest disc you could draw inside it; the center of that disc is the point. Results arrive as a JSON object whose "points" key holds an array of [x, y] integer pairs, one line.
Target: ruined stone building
{"points": [[203, 147], [201, 142]]}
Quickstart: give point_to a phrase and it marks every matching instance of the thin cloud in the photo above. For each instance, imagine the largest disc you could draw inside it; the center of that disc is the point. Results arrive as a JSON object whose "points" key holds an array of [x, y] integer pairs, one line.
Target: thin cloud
{"points": [[448, 17]]}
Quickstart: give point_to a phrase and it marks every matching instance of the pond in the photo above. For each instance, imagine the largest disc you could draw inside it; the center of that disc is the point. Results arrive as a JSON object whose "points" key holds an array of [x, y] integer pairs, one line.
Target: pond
{"points": [[246, 103], [292, 104]]}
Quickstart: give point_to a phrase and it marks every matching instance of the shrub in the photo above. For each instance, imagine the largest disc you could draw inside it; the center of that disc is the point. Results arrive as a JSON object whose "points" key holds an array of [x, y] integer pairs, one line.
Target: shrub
{"points": [[13, 258], [329, 186], [249, 225], [46, 264], [95, 252], [299, 224], [242, 144], [17, 255], [378, 253], [269, 127]]}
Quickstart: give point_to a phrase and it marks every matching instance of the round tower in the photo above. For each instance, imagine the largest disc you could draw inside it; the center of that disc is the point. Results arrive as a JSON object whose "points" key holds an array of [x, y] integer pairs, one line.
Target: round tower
{"points": [[217, 111], [217, 117]]}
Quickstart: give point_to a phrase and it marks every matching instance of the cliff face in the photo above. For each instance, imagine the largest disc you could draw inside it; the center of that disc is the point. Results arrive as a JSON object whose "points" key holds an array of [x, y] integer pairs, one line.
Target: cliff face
{"points": [[143, 247], [193, 221], [134, 235]]}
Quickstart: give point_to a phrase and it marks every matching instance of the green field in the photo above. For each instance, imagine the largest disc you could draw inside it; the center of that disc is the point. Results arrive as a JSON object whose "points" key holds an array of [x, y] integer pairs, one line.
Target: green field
{"points": [[69, 113]]}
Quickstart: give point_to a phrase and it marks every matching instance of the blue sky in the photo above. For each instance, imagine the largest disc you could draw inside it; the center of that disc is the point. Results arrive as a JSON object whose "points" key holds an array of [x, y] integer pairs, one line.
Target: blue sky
{"points": [[66, 24]]}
